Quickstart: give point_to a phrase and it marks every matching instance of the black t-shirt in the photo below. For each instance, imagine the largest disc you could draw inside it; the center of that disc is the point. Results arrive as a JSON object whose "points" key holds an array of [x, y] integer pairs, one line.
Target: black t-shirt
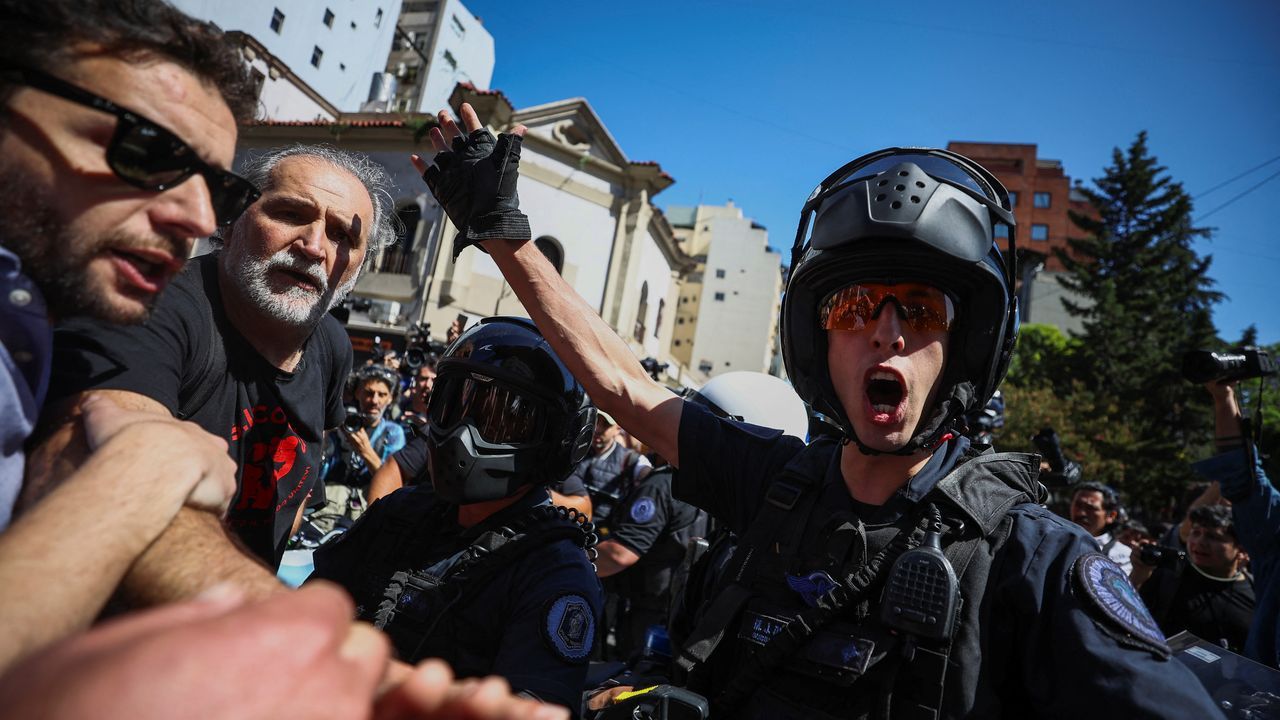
{"points": [[412, 461], [190, 359], [1213, 610]]}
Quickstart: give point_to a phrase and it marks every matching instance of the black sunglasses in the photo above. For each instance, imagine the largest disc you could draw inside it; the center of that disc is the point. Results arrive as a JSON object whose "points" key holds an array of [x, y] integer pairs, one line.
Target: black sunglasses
{"points": [[147, 156]]}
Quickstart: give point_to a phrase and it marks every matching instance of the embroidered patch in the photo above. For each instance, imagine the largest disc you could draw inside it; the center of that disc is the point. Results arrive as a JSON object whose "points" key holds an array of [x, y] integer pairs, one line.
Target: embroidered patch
{"points": [[811, 586], [643, 510], [569, 627], [1113, 599]]}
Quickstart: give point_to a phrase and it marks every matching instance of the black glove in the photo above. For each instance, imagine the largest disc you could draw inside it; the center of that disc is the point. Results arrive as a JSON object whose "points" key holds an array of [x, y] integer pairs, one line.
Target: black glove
{"points": [[475, 183]]}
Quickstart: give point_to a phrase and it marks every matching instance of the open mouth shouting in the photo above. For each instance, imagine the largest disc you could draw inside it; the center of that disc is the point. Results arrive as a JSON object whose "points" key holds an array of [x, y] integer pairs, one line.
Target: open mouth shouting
{"points": [[886, 396], [145, 269]]}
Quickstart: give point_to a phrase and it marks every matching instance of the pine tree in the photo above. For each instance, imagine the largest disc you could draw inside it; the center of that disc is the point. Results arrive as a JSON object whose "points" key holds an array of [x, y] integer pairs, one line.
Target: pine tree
{"points": [[1148, 300]]}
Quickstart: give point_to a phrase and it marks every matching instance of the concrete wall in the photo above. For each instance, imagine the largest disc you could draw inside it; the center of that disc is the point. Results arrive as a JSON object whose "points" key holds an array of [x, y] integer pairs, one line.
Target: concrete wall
{"points": [[463, 53], [355, 46]]}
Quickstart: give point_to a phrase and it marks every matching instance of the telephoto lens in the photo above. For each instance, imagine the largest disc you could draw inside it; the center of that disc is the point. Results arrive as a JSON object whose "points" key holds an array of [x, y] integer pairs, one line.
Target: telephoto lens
{"points": [[1202, 366]]}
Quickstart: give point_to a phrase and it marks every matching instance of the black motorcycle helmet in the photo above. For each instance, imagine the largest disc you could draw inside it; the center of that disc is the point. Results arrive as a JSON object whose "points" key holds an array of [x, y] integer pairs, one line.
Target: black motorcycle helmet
{"points": [[505, 413], [899, 215]]}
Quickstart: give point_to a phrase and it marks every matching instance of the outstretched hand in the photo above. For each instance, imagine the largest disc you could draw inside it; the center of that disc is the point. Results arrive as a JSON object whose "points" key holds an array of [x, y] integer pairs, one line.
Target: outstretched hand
{"points": [[474, 178]]}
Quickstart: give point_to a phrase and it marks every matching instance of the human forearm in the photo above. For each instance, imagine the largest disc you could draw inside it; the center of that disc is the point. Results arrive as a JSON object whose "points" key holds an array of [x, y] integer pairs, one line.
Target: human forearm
{"points": [[51, 583], [594, 353], [614, 557], [581, 503], [386, 480], [194, 553]]}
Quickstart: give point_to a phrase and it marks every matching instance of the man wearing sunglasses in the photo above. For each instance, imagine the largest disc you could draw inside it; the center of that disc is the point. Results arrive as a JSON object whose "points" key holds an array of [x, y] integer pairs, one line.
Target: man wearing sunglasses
{"points": [[896, 570]]}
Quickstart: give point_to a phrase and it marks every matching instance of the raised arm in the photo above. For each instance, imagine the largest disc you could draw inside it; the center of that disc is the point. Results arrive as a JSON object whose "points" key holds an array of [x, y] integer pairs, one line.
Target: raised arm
{"points": [[595, 354], [192, 553]]}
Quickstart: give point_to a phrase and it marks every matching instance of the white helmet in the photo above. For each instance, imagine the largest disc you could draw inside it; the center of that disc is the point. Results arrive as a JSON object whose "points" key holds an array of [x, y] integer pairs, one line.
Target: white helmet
{"points": [[756, 398]]}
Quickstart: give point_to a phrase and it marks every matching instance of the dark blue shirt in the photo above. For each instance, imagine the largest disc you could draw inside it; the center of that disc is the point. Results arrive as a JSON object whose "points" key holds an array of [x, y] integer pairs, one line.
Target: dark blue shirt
{"points": [[26, 346], [501, 628], [1041, 650]]}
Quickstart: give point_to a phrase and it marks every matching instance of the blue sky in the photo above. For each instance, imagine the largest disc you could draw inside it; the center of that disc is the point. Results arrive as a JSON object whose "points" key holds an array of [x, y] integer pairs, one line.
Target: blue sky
{"points": [[757, 101]]}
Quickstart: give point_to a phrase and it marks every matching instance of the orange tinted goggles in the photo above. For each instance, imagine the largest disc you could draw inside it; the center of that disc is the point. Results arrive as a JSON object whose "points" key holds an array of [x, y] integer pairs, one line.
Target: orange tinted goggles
{"points": [[921, 307]]}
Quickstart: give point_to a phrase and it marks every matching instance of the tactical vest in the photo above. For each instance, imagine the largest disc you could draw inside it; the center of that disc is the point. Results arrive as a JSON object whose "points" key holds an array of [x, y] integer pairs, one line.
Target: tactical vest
{"points": [[608, 480], [851, 665], [416, 600]]}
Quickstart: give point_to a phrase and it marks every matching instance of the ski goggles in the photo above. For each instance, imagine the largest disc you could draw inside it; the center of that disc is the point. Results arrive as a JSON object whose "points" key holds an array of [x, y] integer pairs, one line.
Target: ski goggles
{"points": [[923, 308], [147, 156], [500, 415]]}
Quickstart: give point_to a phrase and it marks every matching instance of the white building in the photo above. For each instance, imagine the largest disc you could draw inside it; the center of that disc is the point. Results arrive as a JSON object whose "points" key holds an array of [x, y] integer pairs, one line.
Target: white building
{"points": [[439, 45], [727, 318], [334, 47], [590, 208]]}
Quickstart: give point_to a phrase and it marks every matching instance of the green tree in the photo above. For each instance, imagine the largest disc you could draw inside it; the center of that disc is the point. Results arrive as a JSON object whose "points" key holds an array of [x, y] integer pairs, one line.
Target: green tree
{"points": [[1043, 358], [1148, 299]]}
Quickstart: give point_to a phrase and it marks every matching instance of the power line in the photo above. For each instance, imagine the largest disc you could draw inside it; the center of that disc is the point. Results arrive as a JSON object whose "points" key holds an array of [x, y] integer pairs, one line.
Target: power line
{"points": [[1224, 183], [1268, 179]]}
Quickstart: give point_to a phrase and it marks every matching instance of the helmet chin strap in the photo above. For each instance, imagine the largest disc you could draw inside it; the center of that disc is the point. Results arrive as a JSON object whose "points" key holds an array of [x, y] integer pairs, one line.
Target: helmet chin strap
{"points": [[943, 420]]}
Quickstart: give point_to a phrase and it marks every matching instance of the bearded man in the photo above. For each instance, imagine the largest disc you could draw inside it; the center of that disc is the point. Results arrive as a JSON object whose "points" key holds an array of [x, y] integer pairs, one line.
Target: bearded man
{"points": [[241, 343]]}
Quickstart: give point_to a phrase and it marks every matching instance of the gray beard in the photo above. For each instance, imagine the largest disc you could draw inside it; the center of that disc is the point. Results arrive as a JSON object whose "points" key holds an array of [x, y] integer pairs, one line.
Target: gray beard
{"points": [[294, 306]]}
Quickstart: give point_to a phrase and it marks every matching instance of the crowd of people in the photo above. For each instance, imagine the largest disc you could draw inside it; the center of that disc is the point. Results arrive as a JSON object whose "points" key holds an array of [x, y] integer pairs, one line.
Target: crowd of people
{"points": [[525, 523]]}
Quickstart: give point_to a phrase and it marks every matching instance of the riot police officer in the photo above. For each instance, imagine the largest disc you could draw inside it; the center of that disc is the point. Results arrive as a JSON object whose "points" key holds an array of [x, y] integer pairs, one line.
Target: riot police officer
{"points": [[896, 571], [479, 568]]}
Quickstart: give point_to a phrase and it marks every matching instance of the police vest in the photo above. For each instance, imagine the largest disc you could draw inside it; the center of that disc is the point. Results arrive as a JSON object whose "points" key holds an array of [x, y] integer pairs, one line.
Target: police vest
{"points": [[412, 608], [608, 479], [849, 664]]}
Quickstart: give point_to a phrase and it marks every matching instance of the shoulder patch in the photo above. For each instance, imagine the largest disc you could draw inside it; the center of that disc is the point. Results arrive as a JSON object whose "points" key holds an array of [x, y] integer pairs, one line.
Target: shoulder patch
{"points": [[1114, 604], [643, 510], [569, 627]]}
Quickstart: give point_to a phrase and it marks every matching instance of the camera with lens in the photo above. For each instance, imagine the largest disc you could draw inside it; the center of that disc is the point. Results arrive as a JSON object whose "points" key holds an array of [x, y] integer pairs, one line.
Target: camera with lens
{"points": [[354, 420], [1161, 556], [1202, 366], [1062, 472], [653, 367], [419, 346]]}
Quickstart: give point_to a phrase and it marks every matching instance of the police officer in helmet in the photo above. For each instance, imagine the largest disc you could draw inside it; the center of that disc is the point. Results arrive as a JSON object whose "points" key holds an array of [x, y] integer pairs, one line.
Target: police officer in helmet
{"points": [[896, 571], [479, 568]]}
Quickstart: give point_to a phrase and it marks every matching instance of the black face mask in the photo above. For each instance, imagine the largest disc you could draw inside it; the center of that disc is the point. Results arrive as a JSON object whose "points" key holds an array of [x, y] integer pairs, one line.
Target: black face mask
{"points": [[463, 473]]}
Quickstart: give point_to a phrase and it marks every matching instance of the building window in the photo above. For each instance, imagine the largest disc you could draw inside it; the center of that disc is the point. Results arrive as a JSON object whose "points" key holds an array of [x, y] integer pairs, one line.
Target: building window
{"points": [[316, 56], [277, 20], [1013, 198], [550, 247], [398, 257], [1040, 200], [1039, 232], [657, 321], [448, 57], [679, 321], [458, 27], [719, 273], [257, 80], [719, 297], [1002, 231], [641, 312], [377, 19], [328, 17]]}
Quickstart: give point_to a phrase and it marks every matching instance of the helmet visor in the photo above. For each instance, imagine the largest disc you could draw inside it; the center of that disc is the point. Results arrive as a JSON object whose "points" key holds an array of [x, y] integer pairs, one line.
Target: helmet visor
{"points": [[921, 307], [500, 415]]}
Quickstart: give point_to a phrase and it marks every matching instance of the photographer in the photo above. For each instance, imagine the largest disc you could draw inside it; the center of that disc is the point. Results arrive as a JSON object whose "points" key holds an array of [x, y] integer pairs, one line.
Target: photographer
{"points": [[360, 447], [1255, 508], [1206, 592]]}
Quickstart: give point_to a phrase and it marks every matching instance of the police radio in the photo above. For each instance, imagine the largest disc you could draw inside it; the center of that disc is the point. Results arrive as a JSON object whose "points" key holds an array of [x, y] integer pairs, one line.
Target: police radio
{"points": [[922, 593]]}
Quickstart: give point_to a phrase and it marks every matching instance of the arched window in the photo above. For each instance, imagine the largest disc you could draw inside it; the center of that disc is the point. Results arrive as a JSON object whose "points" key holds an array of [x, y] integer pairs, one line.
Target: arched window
{"points": [[550, 247], [657, 321], [641, 312]]}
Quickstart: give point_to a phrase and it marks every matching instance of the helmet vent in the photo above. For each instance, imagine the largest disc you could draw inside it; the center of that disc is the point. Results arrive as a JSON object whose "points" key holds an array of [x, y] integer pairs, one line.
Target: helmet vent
{"points": [[895, 204], [900, 188], [880, 197], [915, 199]]}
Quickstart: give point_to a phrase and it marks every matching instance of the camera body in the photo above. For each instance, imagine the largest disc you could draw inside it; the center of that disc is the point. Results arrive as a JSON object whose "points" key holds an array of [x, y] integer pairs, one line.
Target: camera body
{"points": [[1062, 472], [1161, 556], [419, 346], [354, 420], [1202, 366]]}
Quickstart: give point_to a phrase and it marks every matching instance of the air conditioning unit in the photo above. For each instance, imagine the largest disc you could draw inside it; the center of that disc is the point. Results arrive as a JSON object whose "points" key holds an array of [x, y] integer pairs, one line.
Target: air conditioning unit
{"points": [[386, 312]]}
